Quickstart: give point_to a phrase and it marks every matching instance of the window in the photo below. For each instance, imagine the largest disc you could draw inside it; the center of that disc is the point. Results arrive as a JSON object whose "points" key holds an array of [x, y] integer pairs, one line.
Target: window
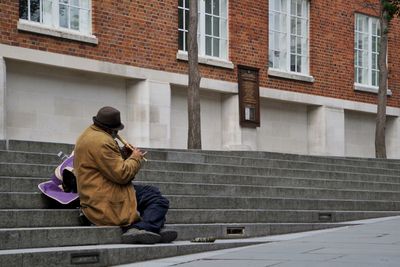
{"points": [[366, 50], [212, 28], [61, 14], [288, 35]]}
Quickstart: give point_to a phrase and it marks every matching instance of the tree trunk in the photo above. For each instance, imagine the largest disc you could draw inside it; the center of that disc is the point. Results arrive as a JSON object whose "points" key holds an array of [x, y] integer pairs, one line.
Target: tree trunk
{"points": [[380, 143], [194, 123]]}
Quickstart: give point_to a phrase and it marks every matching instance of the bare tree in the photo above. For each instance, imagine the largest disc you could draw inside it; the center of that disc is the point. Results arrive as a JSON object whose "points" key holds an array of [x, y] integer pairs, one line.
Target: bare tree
{"points": [[387, 10], [194, 122]]}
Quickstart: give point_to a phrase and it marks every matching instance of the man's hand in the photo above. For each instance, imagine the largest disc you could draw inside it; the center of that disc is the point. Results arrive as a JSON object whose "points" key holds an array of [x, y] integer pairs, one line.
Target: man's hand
{"points": [[137, 153]]}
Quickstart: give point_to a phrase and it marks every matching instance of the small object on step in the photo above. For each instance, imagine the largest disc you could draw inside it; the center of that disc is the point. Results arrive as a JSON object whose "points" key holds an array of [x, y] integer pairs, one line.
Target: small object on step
{"points": [[209, 239]]}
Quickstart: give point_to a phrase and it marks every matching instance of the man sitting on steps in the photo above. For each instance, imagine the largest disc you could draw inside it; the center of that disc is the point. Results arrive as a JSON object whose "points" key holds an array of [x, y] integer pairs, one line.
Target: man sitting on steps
{"points": [[104, 174]]}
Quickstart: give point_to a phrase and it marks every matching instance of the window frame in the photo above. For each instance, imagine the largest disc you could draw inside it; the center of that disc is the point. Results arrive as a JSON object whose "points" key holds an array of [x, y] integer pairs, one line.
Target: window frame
{"points": [[201, 34], [54, 28], [369, 68], [286, 72]]}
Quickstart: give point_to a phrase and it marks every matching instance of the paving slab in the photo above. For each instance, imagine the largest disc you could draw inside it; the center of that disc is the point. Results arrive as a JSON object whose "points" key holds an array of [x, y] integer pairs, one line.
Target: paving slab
{"points": [[375, 242]]}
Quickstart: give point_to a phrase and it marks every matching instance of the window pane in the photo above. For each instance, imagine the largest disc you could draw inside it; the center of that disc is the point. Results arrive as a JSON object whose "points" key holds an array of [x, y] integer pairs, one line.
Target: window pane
{"points": [[84, 21], [298, 64], [292, 44], [48, 12], [180, 18], [215, 47], [223, 48], [74, 18], [85, 4], [187, 19], [180, 40], [299, 8], [208, 25], [63, 16], [292, 63], [208, 6], [23, 9], [74, 2], [298, 45], [293, 25], [180, 3], [35, 10], [293, 7], [216, 26], [224, 29], [64, 2], [208, 46], [216, 7], [187, 3], [223, 9]]}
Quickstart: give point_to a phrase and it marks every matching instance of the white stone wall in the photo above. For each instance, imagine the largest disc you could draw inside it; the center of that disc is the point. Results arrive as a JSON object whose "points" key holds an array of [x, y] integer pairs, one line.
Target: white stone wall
{"points": [[54, 104], [283, 127], [359, 134], [210, 119]]}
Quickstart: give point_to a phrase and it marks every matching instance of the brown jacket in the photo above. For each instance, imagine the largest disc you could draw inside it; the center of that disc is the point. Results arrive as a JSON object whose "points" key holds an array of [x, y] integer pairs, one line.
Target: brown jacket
{"points": [[104, 179]]}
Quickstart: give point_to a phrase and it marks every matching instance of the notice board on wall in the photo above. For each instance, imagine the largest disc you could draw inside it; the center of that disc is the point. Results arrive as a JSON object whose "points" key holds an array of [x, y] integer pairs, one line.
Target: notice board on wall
{"points": [[249, 96]]}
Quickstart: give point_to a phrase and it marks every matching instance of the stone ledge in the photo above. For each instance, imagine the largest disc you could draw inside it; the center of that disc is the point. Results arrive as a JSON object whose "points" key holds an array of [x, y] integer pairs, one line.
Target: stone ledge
{"points": [[182, 55], [369, 89], [28, 26], [291, 75]]}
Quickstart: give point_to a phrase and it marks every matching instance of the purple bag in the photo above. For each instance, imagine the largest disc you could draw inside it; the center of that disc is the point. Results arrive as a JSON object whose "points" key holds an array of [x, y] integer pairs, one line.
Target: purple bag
{"points": [[62, 186]]}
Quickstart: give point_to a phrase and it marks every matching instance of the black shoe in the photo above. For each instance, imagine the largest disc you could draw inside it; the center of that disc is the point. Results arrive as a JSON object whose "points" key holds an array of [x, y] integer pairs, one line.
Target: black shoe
{"points": [[137, 236], [167, 236]]}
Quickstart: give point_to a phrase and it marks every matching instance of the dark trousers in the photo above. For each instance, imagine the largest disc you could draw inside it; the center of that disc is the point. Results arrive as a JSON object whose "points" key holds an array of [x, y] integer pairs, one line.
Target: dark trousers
{"points": [[152, 207]]}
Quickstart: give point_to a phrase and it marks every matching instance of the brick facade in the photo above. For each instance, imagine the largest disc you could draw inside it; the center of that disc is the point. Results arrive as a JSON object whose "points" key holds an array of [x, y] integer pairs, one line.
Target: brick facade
{"points": [[144, 34]]}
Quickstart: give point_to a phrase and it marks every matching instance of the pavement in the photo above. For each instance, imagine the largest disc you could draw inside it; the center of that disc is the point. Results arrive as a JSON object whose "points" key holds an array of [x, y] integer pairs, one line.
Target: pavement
{"points": [[374, 242]]}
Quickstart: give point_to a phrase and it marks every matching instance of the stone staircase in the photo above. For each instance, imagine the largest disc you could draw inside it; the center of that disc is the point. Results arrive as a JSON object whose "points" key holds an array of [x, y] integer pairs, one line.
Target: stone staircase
{"points": [[228, 195]]}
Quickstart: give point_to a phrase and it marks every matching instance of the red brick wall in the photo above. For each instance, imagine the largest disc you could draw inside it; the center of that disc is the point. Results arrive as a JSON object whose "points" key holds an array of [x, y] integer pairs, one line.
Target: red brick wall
{"points": [[144, 34]]}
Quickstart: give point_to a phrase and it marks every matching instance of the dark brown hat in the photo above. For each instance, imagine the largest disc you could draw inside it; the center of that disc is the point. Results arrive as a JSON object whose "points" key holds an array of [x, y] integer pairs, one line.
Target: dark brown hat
{"points": [[108, 117]]}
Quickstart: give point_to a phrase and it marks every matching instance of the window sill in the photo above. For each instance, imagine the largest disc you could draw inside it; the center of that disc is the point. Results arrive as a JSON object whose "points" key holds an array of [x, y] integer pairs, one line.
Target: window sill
{"points": [[29, 26], [182, 55], [369, 89], [290, 75]]}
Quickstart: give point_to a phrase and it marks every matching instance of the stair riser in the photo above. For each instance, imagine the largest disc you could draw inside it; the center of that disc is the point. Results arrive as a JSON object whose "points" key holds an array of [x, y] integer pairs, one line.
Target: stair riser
{"points": [[28, 184], [79, 236], [25, 170], [245, 191], [54, 218], [110, 256], [37, 201], [20, 184], [40, 158], [31, 158], [146, 175]]}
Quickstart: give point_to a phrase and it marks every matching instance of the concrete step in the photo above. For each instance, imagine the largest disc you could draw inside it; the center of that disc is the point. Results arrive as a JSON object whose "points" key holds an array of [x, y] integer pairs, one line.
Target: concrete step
{"points": [[17, 218], [233, 169], [266, 172], [41, 147], [7, 156], [29, 184], [45, 170], [188, 157], [18, 200], [219, 178], [20, 184], [18, 238], [331, 164], [264, 191], [108, 255]]}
